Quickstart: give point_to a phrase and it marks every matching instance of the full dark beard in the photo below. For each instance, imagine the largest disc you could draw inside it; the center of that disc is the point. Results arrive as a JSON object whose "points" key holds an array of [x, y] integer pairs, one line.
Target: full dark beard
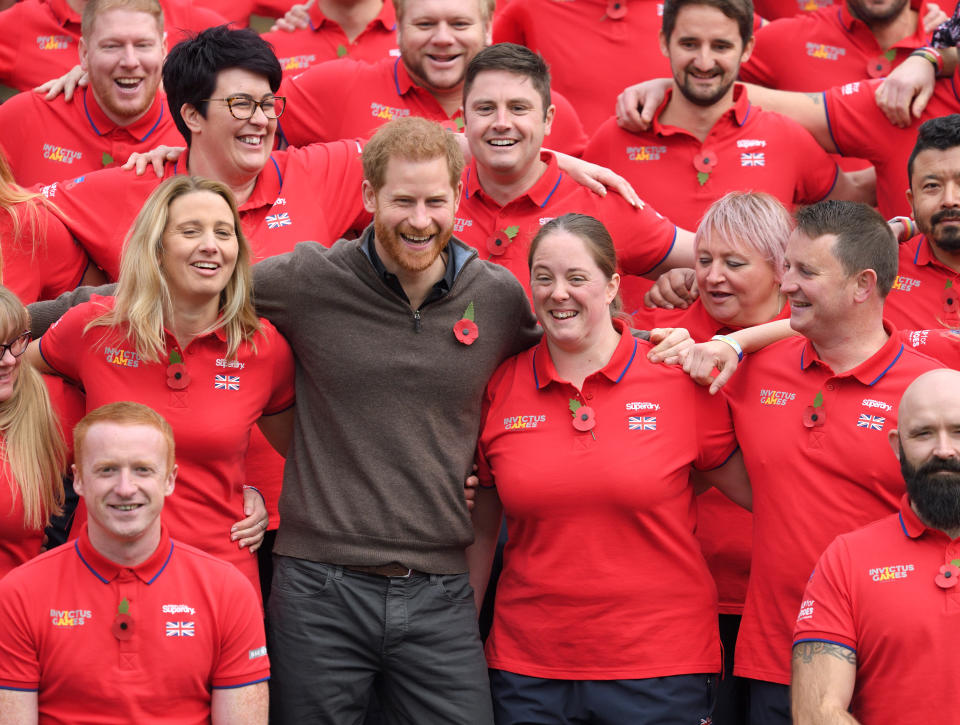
{"points": [[934, 490]]}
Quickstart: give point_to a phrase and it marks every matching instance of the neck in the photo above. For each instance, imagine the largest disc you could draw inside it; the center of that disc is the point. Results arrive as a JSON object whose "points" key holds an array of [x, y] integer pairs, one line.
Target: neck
{"points": [[449, 100], [577, 364], [892, 31], [846, 349], [241, 184], [505, 187], [763, 312], [192, 318], [946, 257], [697, 120], [953, 533], [353, 16], [122, 552]]}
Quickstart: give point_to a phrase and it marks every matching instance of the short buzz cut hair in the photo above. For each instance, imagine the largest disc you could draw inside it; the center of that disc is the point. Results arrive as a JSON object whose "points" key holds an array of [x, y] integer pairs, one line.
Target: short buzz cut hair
{"points": [[938, 133], [95, 8], [192, 66], [486, 9], [864, 239], [740, 11], [410, 138], [512, 58], [124, 412]]}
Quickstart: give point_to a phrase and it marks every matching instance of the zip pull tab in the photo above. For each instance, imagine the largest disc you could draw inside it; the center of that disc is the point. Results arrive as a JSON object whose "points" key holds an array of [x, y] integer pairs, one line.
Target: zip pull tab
{"points": [[416, 320]]}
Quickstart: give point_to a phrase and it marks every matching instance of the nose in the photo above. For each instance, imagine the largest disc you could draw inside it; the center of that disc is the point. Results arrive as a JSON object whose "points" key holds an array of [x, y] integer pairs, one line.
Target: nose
{"points": [[951, 194], [559, 291], [704, 57], [419, 219], [442, 34], [129, 55], [7, 359], [208, 241], [502, 118], [125, 486], [788, 284], [947, 444], [715, 272]]}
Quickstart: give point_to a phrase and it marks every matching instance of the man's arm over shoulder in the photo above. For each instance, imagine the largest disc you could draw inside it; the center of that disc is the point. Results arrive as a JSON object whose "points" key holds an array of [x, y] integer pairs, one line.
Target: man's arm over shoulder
{"points": [[311, 115], [807, 109], [45, 313]]}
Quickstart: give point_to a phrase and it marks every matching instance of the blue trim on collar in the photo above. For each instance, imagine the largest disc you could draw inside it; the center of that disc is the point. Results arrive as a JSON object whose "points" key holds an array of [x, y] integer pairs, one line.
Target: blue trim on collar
{"points": [[903, 524], [396, 77], [536, 382], [154, 127], [802, 350], [545, 201], [167, 561], [279, 175], [743, 123], [892, 363], [87, 113], [916, 254], [76, 546], [466, 183], [629, 362]]}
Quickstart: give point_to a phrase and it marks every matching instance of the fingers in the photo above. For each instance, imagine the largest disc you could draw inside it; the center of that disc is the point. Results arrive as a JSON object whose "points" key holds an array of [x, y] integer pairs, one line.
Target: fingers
{"points": [[672, 345], [248, 533], [920, 102]]}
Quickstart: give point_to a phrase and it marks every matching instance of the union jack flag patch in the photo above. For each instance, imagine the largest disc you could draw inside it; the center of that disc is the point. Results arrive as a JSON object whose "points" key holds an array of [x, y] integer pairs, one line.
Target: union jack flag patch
{"points": [[871, 422], [752, 159], [226, 382], [179, 629], [275, 221], [646, 422]]}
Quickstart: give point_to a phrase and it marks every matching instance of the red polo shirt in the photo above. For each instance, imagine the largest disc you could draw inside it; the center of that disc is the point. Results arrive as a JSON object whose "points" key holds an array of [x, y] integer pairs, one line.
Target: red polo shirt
{"points": [[858, 128], [238, 13], [17, 543], [813, 51], [622, 49], [38, 38], [195, 625], [615, 513], [211, 418], [308, 193], [325, 40], [926, 293], [367, 96], [51, 140], [773, 9], [811, 481], [752, 149], [643, 237], [942, 345], [875, 591]]}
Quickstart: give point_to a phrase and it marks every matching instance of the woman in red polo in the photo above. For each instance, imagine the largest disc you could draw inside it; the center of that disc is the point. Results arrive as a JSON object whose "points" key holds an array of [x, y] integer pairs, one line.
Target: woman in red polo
{"points": [[605, 610]]}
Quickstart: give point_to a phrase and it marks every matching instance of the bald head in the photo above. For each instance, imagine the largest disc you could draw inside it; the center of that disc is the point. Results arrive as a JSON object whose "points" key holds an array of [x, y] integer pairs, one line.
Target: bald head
{"points": [[934, 393]]}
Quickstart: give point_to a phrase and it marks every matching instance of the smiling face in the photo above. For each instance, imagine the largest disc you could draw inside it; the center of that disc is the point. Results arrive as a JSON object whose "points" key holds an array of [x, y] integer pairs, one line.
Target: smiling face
{"points": [[123, 479], [505, 123], [200, 249], [705, 52], [571, 294], [934, 195], [437, 40], [123, 57], [820, 292], [738, 287], [17, 341], [235, 150]]}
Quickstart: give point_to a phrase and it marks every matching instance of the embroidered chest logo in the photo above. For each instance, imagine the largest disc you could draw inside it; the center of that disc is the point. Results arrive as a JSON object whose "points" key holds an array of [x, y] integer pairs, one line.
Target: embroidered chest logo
{"points": [[226, 382], [645, 153], [275, 221], [69, 617], [776, 397], [642, 422], [121, 357], [523, 422], [180, 629], [53, 42], [297, 62], [889, 573], [52, 152], [460, 224], [826, 52], [378, 110], [754, 159], [905, 284]]}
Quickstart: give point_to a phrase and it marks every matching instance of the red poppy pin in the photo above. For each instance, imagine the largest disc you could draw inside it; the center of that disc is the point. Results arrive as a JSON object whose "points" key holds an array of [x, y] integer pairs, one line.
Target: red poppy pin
{"points": [[815, 415], [948, 576], [466, 329], [177, 376], [949, 297], [616, 9], [498, 242], [584, 418], [880, 65], [704, 163], [122, 627]]}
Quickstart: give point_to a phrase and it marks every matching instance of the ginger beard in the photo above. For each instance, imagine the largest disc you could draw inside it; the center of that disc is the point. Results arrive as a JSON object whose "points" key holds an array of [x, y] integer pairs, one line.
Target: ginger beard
{"points": [[401, 244]]}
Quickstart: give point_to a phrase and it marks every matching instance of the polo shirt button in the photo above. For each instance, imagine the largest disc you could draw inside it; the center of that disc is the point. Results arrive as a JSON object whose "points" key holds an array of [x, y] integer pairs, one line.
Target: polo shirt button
{"points": [[588, 396], [830, 387]]}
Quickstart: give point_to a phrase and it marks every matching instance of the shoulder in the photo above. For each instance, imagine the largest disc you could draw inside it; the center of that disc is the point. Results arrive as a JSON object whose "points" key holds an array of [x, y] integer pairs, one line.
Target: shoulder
{"points": [[38, 572]]}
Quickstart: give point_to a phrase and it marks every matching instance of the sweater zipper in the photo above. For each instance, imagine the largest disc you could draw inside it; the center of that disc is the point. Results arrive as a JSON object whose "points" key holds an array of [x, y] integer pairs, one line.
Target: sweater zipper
{"points": [[416, 320]]}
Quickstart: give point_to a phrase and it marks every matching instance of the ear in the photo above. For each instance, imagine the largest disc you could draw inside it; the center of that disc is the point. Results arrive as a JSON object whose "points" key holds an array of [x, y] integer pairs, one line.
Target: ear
{"points": [[369, 197], [613, 286], [77, 481], [171, 480], [548, 119], [664, 44], [82, 50], [191, 117], [747, 50], [893, 438], [865, 283], [459, 195], [910, 202]]}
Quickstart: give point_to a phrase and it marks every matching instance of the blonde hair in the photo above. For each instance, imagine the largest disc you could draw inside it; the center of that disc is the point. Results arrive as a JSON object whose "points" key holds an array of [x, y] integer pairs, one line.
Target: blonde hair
{"points": [[486, 7], [95, 8], [14, 196], [33, 450], [143, 300]]}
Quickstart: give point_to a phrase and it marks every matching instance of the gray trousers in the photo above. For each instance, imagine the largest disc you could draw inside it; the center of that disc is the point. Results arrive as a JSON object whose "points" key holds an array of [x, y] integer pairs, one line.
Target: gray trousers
{"points": [[336, 635]]}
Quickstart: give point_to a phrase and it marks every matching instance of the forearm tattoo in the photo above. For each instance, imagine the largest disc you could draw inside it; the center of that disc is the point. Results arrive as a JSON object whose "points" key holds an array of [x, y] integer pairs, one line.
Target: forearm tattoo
{"points": [[805, 651]]}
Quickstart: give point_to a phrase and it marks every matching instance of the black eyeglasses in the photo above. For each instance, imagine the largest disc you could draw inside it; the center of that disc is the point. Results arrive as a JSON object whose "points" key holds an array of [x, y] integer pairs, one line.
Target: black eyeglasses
{"points": [[242, 107], [17, 347]]}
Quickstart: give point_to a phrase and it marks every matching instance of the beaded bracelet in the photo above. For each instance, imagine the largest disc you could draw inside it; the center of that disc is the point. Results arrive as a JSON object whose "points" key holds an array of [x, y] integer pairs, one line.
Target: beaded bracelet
{"points": [[931, 54], [732, 343]]}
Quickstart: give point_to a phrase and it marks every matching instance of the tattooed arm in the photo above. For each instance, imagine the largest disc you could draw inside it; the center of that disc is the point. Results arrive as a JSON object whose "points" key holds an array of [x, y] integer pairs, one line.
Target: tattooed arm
{"points": [[807, 109], [823, 678]]}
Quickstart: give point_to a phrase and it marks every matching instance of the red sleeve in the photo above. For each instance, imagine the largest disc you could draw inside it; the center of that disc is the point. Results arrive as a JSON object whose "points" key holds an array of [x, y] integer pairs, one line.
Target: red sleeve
{"points": [[63, 262], [19, 665], [643, 238], [242, 659], [716, 439], [944, 345], [281, 364], [760, 68], [62, 345], [508, 23], [309, 115], [567, 134], [601, 147], [855, 122], [338, 175], [826, 611], [816, 170], [11, 33]]}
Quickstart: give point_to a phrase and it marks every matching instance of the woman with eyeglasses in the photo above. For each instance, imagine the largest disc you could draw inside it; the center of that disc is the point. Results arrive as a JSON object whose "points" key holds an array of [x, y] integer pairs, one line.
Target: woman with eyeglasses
{"points": [[33, 451], [181, 336]]}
